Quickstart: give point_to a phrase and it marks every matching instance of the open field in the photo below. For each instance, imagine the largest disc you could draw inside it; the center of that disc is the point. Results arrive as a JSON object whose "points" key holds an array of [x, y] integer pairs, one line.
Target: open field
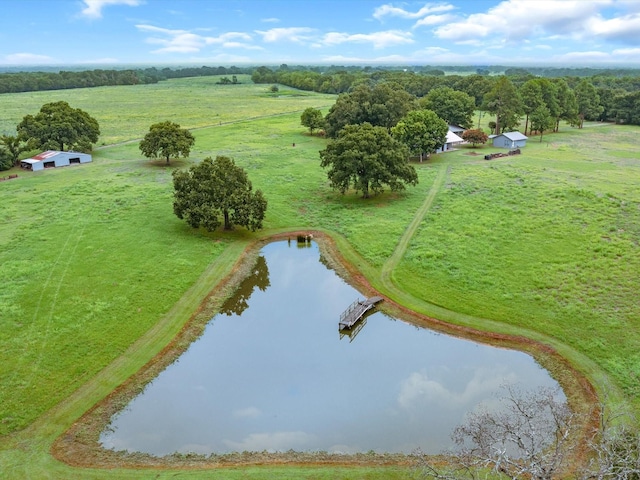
{"points": [[98, 274]]}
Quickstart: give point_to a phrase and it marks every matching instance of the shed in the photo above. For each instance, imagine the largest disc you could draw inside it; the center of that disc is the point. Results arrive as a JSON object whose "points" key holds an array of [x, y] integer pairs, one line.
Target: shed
{"points": [[53, 159], [509, 140], [452, 139]]}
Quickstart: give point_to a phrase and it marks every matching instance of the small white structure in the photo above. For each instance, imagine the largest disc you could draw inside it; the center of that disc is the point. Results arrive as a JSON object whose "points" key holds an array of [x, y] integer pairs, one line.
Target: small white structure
{"points": [[53, 159], [509, 140], [452, 139]]}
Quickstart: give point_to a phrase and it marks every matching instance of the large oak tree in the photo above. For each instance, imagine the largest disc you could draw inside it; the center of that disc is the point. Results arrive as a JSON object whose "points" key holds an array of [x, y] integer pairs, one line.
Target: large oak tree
{"points": [[58, 126], [217, 192], [382, 105], [422, 131], [312, 118], [166, 140], [367, 158]]}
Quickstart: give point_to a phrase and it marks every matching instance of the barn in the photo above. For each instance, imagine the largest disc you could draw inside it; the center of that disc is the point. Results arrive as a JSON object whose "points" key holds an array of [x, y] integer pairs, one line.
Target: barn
{"points": [[53, 159], [509, 140]]}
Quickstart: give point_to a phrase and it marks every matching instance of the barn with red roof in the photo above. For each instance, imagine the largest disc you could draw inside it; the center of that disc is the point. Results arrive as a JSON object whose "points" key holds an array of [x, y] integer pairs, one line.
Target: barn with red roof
{"points": [[53, 159]]}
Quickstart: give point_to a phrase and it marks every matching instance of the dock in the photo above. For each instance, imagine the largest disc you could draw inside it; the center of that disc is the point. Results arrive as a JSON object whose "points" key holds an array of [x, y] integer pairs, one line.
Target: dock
{"points": [[356, 311]]}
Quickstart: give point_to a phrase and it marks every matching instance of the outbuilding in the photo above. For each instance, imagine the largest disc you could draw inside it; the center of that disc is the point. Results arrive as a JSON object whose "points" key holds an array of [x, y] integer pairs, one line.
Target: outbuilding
{"points": [[452, 139], [509, 140], [457, 129], [53, 159]]}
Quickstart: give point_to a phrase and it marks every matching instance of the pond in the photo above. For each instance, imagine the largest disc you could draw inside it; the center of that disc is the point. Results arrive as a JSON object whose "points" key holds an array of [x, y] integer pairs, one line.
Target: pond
{"points": [[273, 373]]}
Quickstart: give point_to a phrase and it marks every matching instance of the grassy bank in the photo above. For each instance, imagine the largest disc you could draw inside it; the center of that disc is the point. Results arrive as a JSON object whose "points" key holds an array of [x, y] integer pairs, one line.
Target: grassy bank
{"points": [[98, 274]]}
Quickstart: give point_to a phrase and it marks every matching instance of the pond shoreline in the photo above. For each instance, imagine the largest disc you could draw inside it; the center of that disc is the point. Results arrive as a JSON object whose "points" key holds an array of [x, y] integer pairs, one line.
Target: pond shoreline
{"points": [[80, 446]]}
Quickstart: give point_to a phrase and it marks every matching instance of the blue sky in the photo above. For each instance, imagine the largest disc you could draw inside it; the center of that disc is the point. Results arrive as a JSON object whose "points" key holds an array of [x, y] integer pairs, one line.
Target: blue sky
{"points": [[257, 32]]}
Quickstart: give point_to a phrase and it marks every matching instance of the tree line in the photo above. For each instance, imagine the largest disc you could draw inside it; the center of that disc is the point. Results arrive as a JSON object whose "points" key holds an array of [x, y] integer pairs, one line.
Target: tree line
{"points": [[17, 82], [615, 94]]}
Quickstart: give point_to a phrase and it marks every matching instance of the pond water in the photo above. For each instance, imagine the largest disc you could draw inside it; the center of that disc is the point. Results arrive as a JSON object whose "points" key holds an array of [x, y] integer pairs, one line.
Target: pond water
{"points": [[272, 373]]}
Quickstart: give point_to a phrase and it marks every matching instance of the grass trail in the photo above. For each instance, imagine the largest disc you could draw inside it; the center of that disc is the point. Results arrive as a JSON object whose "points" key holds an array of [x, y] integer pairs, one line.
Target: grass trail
{"points": [[386, 274]]}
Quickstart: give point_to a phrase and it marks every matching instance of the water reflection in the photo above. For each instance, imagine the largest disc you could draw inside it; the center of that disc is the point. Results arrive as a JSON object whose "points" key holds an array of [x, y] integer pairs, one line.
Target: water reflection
{"points": [[259, 277], [279, 377]]}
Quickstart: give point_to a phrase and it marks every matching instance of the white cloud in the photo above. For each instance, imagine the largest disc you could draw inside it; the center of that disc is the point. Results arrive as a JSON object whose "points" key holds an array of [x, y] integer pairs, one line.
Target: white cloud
{"points": [[623, 29], [433, 20], [391, 11], [291, 34], [246, 46], [93, 8], [272, 442], [516, 20], [419, 391], [184, 41], [377, 39], [584, 58], [27, 59], [270, 20], [633, 52]]}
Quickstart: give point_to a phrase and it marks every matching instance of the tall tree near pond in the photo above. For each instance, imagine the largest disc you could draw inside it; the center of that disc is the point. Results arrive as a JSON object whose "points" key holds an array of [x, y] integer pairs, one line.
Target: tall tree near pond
{"points": [[166, 140], [367, 157], [588, 102], [217, 192], [422, 131], [454, 107], [382, 105], [312, 118], [58, 126], [504, 102]]}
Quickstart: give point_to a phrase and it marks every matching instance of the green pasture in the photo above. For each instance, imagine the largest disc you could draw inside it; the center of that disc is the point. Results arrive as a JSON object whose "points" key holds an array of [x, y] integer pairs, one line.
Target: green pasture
{"points": [[126, 112], [98, 274]]}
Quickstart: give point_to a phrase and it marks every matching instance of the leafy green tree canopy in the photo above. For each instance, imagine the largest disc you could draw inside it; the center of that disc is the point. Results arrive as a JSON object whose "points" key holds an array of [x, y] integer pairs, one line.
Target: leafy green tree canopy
{"points": [[216, 189], [312, 118], [454, 107], [13, 146], [58, 126], [367, 158], [5, 160], [165, 140], [422, 131], [588, 102], [541, 120], [382, 105], [567, 104]]}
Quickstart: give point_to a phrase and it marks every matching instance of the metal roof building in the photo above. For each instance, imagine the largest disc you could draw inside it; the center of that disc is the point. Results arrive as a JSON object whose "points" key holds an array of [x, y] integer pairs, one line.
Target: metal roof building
{"points": [[53, 159], [509, 140]]}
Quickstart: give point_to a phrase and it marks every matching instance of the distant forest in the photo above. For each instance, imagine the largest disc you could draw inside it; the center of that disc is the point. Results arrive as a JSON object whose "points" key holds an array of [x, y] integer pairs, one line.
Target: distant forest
{"points": [[16, 82], [618, 90]]}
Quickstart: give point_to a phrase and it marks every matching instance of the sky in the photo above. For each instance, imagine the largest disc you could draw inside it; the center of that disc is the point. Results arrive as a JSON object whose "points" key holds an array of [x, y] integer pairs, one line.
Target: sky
{"points": [[578, 33]]}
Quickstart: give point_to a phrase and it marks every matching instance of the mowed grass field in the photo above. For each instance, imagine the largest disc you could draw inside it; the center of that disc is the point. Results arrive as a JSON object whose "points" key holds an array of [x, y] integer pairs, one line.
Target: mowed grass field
{"points": [[98, 274]]}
